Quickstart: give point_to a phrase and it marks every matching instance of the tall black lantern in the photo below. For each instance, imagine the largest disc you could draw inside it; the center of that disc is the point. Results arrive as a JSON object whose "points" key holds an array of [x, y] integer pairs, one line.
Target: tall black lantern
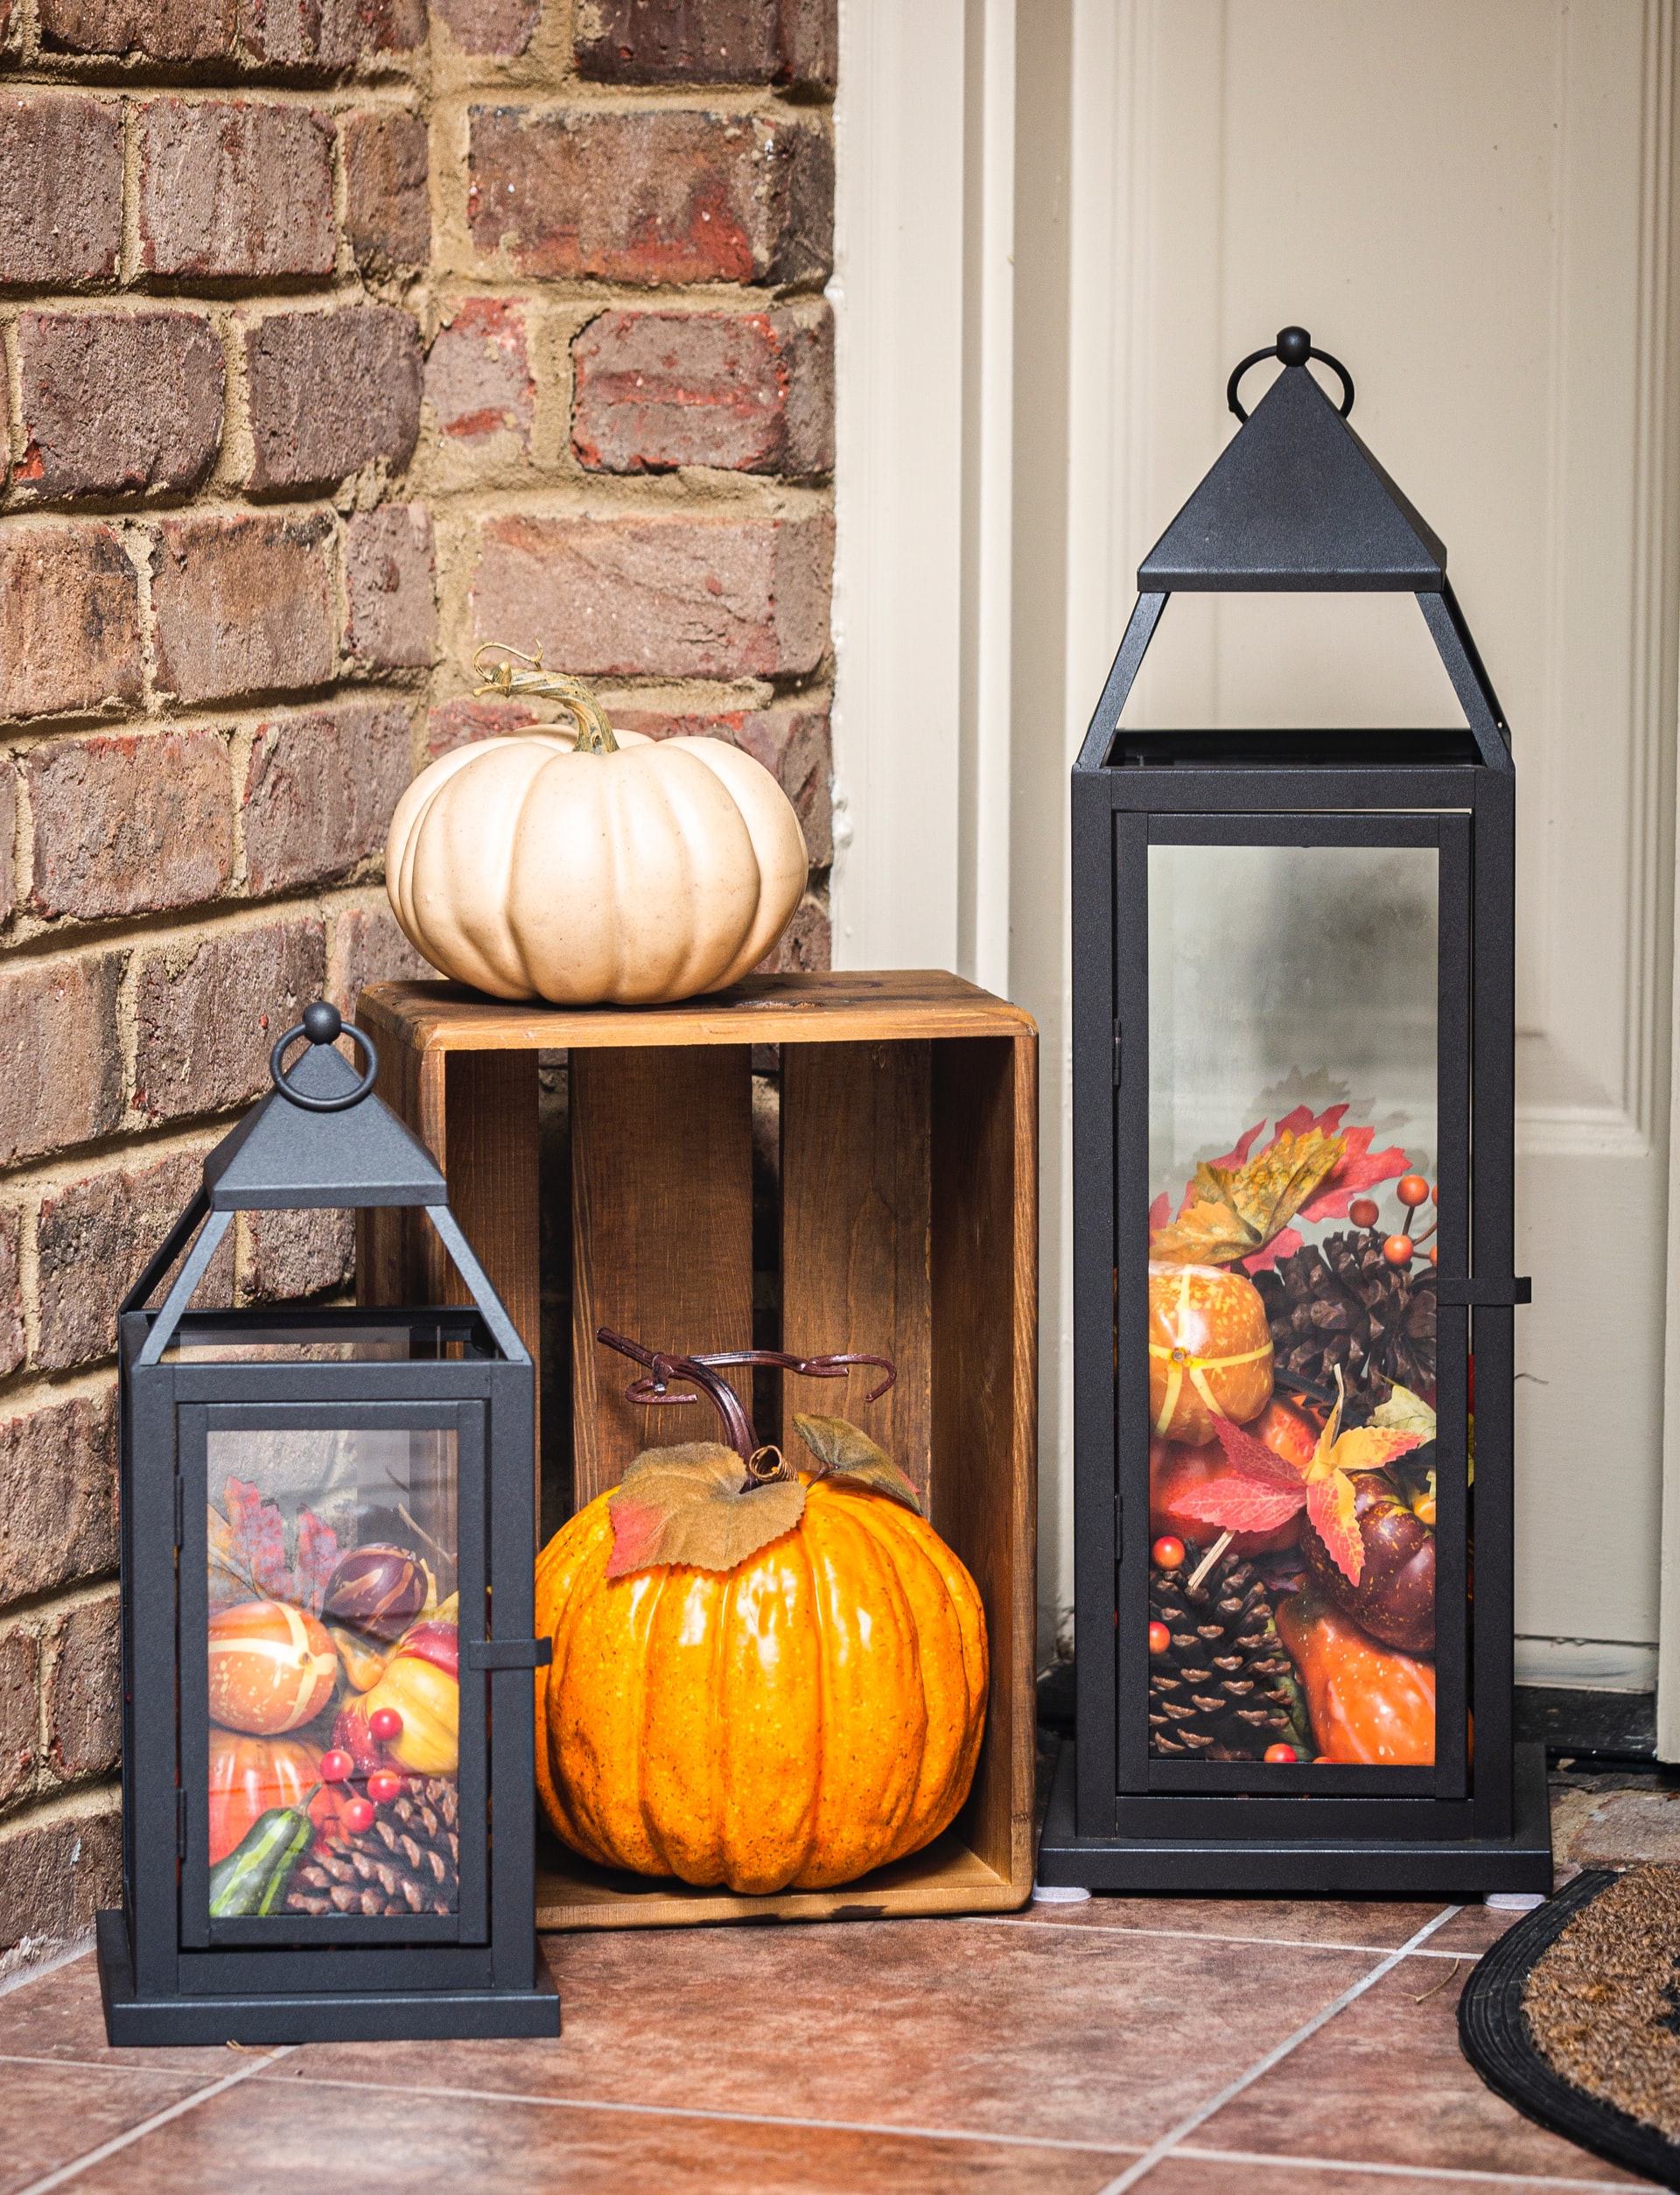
{"points": [[1293, 1047], [327, 1547]]}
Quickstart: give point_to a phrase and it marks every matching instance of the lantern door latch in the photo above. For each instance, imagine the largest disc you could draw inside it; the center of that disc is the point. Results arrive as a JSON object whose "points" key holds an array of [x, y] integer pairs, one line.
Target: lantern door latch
{"points": [[1484, 1295], [509, 1653]]}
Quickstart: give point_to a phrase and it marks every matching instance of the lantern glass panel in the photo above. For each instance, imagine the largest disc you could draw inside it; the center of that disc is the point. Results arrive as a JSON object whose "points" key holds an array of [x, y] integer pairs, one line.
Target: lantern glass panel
{"points": [[1293, 1085]]}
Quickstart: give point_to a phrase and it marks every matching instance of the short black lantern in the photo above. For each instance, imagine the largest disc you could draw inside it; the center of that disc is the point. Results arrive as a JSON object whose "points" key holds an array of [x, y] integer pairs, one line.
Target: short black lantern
{"points": [[1293, 1057], [327, 1544]]}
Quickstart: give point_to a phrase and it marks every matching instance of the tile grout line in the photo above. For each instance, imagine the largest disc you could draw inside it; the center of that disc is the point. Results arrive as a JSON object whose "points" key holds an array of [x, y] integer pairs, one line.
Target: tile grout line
{"points": [[728, 2118], [1173, 2135], [80, 2165], [1453, 2172], [1101, 1931]]}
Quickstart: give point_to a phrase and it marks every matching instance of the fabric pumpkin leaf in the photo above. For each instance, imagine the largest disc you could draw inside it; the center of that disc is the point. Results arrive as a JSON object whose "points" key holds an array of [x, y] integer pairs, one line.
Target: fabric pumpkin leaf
{"points": [[690, 1504], [846, 1451]]}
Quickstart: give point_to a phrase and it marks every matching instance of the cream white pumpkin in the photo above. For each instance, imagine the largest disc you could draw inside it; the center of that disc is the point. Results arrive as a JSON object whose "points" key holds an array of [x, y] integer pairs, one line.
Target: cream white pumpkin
{"points": [[663, 869]]}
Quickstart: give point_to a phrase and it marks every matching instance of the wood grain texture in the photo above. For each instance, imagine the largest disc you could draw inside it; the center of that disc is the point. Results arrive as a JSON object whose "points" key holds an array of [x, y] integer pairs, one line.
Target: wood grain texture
{"points": [[856, 1214], [662, 1171], [945, 1877], [390, 1268], [985, 1400], [833, 1008]]}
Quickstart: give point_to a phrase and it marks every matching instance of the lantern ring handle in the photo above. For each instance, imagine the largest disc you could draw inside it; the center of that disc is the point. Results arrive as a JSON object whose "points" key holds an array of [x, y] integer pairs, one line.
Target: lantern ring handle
{"points": [[1293, 347], [343, 1103]]}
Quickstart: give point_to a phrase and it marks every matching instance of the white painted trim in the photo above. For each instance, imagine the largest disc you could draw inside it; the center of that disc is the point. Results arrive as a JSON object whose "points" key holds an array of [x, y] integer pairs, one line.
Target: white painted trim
{"points": [[1661, 275], [1587, 1664], [898, 300]]}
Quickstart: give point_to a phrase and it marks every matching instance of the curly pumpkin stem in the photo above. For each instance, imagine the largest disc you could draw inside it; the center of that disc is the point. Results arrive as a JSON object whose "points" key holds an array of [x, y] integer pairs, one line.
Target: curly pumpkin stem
{"points": [[594, 733], [664, 1366]]}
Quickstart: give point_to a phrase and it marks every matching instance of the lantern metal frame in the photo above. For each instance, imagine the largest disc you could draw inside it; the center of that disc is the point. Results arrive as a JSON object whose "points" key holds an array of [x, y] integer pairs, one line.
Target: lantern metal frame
{"points": [[168, 1973], [1296, 504]]}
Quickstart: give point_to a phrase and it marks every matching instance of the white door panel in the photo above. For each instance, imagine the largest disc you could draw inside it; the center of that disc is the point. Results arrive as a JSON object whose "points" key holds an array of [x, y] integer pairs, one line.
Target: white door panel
{"points": [[1468, 204]]}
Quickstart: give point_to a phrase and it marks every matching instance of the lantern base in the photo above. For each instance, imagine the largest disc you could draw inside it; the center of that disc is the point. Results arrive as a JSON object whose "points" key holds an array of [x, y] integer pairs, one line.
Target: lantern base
{"points": [[1378, 1866], [393, 2016]]}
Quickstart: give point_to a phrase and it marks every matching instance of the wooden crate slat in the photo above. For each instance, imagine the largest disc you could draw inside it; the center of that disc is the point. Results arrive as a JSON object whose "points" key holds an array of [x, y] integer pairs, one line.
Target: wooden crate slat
{"points": [[831, 1006], [984, 1317], [944, 1877], [662, 1170], [855, 1228]]}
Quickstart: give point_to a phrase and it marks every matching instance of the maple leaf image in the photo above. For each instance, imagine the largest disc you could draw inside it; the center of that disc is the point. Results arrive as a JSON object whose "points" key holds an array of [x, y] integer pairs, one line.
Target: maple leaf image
{"points": [[1236, 1210], [1260, 1491], [1230, 1212]]}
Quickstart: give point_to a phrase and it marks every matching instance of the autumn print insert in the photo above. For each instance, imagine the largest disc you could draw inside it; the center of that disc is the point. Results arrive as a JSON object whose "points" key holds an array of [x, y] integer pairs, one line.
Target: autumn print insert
{"points": [[333, 1675], [1293, 1005]]}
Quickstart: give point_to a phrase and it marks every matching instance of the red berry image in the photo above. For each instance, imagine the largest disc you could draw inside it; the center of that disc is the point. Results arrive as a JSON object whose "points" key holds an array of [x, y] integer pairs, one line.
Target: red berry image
{"points": [[1364, 1212], [1159, 1639], [383, 1785], [1280, 1754], [1398, 1249], [1167, 1552], [1411, 1188], [357, 1815], [385, 1723], [336, 1766]]}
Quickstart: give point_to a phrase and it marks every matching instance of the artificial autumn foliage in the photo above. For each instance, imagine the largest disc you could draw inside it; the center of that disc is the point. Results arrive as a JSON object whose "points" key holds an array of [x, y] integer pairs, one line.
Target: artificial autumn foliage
{"points": [[1262, 1492], [738, 1699], [1237, 1209]]}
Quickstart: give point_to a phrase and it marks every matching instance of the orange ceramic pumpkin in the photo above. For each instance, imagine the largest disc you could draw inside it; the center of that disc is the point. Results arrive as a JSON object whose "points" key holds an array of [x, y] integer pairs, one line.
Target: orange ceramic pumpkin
{"points": [[249, 1775], [1368, 1703], [272, 1667], [812, 1714], [1210, 1351]]}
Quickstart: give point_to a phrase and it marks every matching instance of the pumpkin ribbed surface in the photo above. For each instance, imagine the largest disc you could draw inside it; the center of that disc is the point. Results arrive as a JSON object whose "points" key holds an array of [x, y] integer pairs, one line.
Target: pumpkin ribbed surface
{"points": [[794, 1722], [666, 869]]}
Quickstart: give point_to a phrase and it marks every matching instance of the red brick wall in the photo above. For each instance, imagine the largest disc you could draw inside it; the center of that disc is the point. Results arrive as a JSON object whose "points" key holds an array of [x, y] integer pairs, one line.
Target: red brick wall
{"points": [[337, 341]]}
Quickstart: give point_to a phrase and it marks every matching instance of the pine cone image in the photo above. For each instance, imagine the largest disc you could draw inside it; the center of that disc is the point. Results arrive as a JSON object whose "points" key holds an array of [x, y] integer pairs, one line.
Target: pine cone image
{"points": [[1220, 1688], [1343, 1304], [407, 1861]]}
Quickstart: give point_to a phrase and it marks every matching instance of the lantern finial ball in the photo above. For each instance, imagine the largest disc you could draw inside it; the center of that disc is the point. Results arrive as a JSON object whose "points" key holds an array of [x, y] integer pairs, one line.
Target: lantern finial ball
{"points": [[322, 1022], [1294, 345]]}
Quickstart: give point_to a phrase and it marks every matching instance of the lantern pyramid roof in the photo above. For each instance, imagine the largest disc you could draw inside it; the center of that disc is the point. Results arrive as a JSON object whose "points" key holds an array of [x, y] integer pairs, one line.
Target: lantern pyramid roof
{"points": [[1296, 501]]}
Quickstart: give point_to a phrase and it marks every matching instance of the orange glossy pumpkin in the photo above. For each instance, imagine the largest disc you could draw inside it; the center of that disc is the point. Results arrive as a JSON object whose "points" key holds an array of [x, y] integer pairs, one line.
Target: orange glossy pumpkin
{"points": [[1368, 1703], [248, 1775], [1210, 1351], [272, 1667], [795, 1721]]}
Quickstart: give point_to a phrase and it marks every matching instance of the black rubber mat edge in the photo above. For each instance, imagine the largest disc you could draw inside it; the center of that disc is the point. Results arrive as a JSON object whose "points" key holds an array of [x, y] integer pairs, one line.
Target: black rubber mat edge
{"points": [[1494, 2036]]}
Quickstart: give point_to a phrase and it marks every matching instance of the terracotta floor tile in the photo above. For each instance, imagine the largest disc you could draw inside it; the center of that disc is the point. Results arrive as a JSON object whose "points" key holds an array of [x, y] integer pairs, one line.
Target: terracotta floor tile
{"points": [[1193, 2171], [59, 2017], [1092, 2036], [52, 2113], [1472, 1930], [1380, 1924], [1384, 2082], [271, 2137]]}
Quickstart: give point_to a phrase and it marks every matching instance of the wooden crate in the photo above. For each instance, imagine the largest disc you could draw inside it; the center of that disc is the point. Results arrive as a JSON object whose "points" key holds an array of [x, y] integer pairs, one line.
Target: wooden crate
{"points": [[908, 1226]]}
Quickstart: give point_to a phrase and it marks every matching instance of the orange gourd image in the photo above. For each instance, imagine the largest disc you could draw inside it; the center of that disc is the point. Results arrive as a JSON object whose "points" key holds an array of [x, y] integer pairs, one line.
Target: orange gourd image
{"points": [[1368, 1703], [272, 1667], [1210, 1351]]}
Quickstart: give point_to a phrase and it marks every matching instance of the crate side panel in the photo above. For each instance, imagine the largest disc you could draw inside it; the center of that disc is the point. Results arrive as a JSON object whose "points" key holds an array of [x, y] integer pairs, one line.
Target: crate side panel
{"points": [[662, 1183], [390, 1266], [855, 1228], [984, 1297]]}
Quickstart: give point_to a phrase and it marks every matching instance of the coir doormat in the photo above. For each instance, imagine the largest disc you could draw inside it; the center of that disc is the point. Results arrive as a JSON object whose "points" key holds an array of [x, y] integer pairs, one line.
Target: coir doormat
{"points": [[1574, 2017]]}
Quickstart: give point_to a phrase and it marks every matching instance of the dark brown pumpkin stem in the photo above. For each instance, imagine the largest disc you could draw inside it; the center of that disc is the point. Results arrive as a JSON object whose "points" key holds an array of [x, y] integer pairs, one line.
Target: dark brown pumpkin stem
{"points": [[701, 1372]]}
